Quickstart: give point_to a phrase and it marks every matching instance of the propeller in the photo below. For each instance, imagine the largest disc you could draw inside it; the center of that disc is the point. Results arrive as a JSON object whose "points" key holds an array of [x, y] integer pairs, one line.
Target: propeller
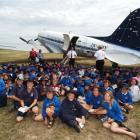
{"points": [[36, 39], [31, 41]]}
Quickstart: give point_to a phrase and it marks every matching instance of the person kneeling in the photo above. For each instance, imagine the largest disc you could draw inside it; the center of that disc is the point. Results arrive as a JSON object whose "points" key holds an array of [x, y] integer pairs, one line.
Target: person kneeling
{"points": [[72, 113], [50, 109]]}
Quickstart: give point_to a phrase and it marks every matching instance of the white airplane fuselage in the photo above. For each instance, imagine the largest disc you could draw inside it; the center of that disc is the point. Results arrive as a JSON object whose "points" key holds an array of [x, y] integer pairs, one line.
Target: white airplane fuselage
{"points": [[57, 42]]}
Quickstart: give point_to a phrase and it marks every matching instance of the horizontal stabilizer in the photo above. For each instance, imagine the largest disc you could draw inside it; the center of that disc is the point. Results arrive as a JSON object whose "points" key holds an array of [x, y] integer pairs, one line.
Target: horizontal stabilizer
{"points": [[122, 58]]}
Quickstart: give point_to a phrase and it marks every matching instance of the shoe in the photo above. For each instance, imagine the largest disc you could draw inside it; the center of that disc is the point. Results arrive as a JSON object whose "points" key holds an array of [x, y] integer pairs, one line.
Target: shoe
{"points": [[50, 123], [137, 138], [76, 127]]}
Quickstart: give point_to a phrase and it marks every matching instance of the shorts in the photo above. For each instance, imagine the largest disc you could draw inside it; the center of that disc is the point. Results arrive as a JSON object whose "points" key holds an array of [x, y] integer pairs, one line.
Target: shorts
{"points": [[21, 114], [120, 124]]}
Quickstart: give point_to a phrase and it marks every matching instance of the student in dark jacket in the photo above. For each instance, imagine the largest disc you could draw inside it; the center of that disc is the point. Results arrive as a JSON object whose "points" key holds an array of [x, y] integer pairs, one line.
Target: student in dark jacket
{"points": [[15, 97], [71, 112], [29, 98]]}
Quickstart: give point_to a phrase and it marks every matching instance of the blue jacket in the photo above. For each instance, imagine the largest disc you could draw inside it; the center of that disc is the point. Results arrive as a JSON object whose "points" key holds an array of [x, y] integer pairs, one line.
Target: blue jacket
{"points": [[95, 101], [66, 81], [86, 95], [114, 111], [103, 90], [47, 102], [125, 98], [2, 87], [88, 81], [127, 77]]}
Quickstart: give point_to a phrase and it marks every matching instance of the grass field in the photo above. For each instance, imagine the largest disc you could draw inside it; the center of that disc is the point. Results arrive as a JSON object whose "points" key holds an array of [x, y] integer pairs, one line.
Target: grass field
{"points": [[21, 56], [30, 130]]}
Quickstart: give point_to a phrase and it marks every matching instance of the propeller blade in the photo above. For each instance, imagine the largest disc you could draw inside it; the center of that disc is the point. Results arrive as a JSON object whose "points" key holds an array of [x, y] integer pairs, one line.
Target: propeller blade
{"points": [[23, 40], [36, 39]]}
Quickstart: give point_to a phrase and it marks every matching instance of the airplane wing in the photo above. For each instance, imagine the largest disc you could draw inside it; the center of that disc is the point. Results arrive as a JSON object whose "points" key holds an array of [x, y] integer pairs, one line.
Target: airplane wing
{"points": [[122, 58]]}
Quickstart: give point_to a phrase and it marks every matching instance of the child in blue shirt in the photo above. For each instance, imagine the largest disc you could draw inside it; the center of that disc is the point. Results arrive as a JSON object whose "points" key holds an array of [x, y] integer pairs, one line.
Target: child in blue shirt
{"points": [[124, 98], [115, 117], [3, 98], [95, 102], [50, 109]]}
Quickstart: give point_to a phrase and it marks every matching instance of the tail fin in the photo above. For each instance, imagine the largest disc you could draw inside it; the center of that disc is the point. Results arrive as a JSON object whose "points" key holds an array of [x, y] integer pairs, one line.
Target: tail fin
{"points": [[128, 33]]}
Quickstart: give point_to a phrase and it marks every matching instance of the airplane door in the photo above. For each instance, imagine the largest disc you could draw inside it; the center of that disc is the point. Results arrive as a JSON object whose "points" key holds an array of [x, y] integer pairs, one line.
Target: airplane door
{"points": [[73, 41]]}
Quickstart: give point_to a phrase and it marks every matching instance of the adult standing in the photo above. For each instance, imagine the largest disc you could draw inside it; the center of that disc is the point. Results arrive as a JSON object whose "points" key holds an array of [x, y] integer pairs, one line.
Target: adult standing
{"points": [[32, 55], [71, 55], [100, 56], [40, 56]]}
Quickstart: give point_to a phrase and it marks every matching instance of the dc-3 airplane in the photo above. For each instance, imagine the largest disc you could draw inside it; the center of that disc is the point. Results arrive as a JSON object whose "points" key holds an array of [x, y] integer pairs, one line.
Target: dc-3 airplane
{"points": [[122, 47]]}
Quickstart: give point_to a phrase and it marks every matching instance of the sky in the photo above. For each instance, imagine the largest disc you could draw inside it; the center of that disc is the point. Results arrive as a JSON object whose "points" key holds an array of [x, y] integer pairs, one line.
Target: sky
{"points": [[27, 18]]}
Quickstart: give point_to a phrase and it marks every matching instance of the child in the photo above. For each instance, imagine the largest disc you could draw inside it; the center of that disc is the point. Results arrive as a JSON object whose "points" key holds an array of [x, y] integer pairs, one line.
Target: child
{"points": [[50, 109], [115, 117], [94, 103], [72, 113], [124, 98], [134, 90]]}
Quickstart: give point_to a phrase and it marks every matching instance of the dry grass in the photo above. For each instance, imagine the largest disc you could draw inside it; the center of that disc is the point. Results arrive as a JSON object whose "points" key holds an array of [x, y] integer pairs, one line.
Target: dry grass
{"points": [[22, 57], [30, 130], [17, 56]]}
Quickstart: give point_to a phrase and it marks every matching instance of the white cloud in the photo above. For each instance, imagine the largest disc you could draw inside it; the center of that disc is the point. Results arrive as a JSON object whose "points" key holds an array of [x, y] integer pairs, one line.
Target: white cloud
{"points": [[88, 17]]}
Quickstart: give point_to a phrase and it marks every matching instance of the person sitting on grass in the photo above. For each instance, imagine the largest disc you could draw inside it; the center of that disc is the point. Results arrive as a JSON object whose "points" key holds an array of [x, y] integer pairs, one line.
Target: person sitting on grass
{"points": [[3, 97], [135, 90], [115, 119], [15, 97], [29, 98], [86, 93], [94, 104], [124, 98], [71, 112], [41, 88], [106, 87], [50, 109]]}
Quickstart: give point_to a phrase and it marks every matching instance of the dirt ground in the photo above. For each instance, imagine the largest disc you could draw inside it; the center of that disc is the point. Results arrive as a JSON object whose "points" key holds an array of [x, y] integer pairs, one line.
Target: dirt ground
{"points": [[30, 130]]}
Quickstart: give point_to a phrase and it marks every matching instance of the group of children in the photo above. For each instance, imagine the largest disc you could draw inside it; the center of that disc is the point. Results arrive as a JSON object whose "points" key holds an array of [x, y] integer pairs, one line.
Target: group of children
{"points": [[71, 94]]}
